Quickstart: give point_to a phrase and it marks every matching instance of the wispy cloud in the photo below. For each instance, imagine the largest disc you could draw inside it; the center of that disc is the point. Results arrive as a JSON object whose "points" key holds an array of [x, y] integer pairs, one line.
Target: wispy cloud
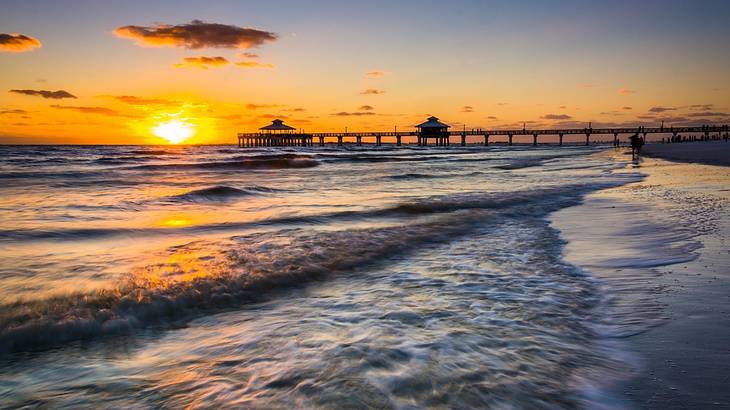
{"points": [[248, 55], [661, 109], [55, 95], [627, 108], [556, 117], [195, 35], [18, 43], [134, 100], [372, 91], [254, 64], [701, 107], [87, 110], [626, 91], [467, 108], [366, 108], [13, 111], [202, 62], [375, 74], [708, 114], [357, 114], [258, 106]]}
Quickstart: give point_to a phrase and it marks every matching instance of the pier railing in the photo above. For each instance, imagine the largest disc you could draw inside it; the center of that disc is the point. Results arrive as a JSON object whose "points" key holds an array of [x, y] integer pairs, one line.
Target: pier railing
{"points": [[307, 139]]}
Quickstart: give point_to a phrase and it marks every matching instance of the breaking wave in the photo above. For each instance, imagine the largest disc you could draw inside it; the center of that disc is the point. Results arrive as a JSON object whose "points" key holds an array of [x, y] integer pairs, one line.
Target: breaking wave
{"points": [[244, 268]]}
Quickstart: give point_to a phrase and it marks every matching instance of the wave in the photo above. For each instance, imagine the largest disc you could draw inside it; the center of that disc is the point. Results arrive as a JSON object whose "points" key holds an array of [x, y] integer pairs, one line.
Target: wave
{"points": [[254, 162], [245, 268], [529, 201], [220, 193], [415, 175]]}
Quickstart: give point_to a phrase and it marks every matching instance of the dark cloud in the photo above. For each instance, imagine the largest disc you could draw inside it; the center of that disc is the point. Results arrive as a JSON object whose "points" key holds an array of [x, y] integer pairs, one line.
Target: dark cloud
{"points": [[556, 117], [366, 108], [491, 117], [295, 109], [202, 62], [18, 43], [626, 108], [708, 114], [56, 95], [196, 34], [646, 117], [357, 114], [467, 108], [253, 64], [248, 55], [661, 109], [87, 110], [562, 107], [372, 91]]}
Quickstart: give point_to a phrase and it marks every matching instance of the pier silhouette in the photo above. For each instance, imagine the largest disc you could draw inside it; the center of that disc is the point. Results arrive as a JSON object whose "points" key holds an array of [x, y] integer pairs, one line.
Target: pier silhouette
{"points": [[434, 132]]}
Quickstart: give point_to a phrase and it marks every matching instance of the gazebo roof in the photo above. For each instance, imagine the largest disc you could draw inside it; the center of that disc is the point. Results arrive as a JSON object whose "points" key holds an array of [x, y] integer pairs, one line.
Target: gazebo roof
{"points": [[277, 125], [432, 122]]}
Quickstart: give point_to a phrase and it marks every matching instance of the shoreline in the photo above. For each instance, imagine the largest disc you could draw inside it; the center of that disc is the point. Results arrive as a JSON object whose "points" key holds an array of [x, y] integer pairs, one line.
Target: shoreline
{"points": [[659, 247]]}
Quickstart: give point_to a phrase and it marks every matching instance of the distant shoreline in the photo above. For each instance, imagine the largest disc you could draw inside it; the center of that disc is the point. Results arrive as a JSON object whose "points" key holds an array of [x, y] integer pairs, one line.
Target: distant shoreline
{"points": [[708, 153]]}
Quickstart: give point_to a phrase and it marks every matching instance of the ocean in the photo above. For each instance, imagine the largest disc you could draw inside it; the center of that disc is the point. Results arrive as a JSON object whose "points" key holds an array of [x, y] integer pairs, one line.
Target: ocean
{"points": [[355, 277]]}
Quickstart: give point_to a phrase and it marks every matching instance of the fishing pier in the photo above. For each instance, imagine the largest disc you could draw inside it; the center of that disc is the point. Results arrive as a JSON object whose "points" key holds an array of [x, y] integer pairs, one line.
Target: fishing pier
{"points": [[434, 132]]}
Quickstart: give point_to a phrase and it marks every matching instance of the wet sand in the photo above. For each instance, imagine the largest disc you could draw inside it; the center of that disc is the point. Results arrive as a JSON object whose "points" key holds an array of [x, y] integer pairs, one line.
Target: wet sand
{"points": [[710, 152], [660, 247]]}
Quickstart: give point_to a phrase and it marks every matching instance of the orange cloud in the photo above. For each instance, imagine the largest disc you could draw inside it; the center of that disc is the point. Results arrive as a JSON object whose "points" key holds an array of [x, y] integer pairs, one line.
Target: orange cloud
{"points": [[372, 91], [202, 62], [196, 34], [18, 43], [87, 110], [56, 95], [254, 64], [626, 91], [467, 108]]}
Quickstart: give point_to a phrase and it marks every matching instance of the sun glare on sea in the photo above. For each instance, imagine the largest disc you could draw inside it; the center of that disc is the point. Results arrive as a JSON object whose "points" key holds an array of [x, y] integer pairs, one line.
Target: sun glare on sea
{"points": [[174, 131]]}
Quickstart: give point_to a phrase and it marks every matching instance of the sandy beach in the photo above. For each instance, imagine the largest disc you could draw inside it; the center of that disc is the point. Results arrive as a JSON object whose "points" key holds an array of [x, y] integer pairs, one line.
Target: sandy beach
{"points": [[668, 292], [710, 153]]}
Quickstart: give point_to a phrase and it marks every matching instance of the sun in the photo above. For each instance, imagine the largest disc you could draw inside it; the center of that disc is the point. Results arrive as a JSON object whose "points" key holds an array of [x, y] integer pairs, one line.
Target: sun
{"points": [[174, 131]]}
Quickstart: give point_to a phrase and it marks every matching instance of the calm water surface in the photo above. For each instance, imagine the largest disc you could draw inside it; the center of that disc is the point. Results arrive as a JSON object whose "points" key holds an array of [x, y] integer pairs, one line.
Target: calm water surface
{"points": [[137, 277]]}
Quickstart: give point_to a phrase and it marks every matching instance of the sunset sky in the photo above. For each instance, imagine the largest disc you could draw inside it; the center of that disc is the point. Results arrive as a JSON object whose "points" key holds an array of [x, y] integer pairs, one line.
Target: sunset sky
{"points": [[114, 72]]}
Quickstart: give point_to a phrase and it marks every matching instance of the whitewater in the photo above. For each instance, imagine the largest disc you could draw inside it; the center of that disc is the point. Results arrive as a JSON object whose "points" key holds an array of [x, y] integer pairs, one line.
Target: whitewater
{"points": [[356, 277]]}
